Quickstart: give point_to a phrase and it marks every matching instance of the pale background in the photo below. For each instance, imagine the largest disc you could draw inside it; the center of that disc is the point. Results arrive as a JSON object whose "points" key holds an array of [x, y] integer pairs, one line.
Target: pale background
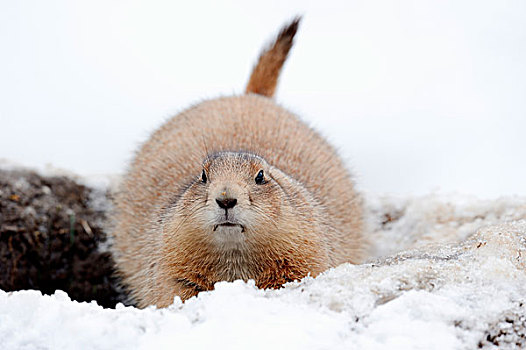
{"points": [[419, 96]]}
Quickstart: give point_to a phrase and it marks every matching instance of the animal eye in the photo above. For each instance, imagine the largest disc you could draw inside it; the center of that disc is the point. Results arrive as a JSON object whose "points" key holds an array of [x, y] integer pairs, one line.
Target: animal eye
{"points": [[260, 178], [203, 177]]}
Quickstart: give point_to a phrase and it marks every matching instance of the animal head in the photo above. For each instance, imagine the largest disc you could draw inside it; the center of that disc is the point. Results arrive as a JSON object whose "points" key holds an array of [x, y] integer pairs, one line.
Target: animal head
{"points": [[236, 200]]}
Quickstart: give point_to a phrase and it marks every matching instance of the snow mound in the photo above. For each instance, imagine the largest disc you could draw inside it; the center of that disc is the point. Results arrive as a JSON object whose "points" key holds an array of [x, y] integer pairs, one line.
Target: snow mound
{"points": [[451, 286]]}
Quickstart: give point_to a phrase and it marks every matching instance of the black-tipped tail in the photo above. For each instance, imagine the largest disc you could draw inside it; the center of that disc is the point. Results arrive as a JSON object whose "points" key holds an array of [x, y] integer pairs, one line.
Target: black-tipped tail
{"points": [[265, 75]]}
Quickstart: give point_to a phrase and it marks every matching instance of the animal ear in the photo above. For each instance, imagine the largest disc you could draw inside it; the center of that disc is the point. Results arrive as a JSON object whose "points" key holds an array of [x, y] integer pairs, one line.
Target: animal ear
{"points": [[264, 77]]}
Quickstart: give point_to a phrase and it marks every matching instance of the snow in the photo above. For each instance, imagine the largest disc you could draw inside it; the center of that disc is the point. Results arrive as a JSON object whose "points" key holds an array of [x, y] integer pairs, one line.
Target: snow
{"points": [[449, 273]]}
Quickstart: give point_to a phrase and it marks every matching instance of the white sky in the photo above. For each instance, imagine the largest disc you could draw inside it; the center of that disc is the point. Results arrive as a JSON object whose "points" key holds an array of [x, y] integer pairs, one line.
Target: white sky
{"points": [[417, 95]]}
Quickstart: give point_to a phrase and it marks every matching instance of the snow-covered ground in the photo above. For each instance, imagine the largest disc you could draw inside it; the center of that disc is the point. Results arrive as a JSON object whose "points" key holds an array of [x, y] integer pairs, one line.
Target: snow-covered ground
{"points": [[459, 282]]}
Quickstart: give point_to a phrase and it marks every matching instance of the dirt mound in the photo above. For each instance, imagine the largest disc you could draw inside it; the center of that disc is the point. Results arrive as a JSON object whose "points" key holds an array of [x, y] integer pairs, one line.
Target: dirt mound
{"points": [[50, 238]]}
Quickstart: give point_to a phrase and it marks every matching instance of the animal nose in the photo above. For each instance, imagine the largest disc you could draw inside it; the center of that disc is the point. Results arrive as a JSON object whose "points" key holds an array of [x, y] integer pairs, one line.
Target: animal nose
{"points": [[226, 203]]}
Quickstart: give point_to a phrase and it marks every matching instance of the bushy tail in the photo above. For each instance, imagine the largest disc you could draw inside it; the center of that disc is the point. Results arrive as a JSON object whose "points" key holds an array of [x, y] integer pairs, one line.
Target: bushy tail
{"points": [[265, 74]]}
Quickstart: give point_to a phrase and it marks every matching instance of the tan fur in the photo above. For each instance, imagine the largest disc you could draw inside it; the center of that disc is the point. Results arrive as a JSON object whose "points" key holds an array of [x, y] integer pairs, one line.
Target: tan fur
{"points": [[264, 77], [305, 217]]}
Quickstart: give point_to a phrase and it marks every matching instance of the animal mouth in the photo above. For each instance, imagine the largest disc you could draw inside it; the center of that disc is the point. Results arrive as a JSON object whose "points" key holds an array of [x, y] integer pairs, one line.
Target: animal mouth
{"points": [[229, 224]]}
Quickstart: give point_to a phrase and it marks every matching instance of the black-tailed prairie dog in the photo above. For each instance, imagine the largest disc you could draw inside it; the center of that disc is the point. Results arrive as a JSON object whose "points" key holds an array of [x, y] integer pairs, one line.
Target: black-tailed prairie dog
{"points": [[234, 188]]}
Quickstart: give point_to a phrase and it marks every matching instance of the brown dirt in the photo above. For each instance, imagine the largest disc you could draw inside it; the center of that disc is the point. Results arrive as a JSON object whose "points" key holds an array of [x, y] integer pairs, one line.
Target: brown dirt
{"points": [[509, 332], [50, 234]]}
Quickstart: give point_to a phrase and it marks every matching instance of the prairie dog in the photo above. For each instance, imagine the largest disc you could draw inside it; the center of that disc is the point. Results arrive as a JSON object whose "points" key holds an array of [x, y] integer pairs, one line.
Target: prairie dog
{"points": [[234, 188]]}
